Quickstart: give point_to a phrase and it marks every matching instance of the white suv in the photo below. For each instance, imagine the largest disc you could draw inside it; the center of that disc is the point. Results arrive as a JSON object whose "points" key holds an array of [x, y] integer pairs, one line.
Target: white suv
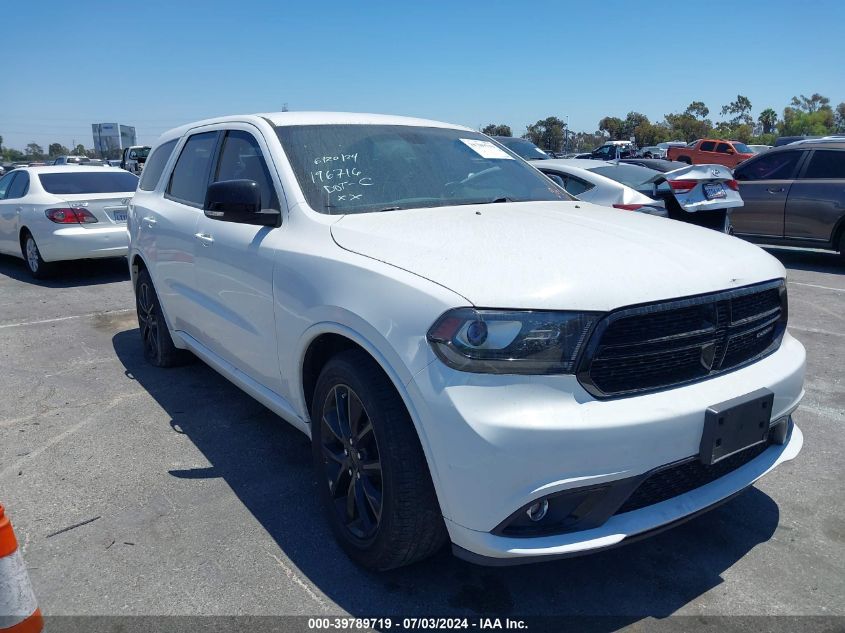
{"points": [[475, 354]]}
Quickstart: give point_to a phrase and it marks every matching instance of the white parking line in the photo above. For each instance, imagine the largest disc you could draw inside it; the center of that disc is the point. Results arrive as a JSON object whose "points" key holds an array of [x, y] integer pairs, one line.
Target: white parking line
{"points": [[798, 283], [814, 330], [67, 318]]}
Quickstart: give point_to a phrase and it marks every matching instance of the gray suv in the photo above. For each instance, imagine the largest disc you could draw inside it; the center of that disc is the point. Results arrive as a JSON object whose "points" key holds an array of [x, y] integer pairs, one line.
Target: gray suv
{"points": [[794, 195]]}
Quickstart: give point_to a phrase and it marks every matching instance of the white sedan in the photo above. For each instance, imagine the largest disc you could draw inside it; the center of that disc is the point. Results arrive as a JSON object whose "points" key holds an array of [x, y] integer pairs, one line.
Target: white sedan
{"points": [[589, 186], [61, 212]]}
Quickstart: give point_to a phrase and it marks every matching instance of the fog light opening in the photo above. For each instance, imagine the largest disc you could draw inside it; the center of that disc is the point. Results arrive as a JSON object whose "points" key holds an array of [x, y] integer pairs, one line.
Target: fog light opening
{"points": [[538, 510]]}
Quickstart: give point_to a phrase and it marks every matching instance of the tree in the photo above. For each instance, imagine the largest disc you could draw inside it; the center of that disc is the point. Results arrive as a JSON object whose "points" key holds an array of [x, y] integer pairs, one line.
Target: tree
{"points": [[698, 110], [495, 129], [546, 133], [687, 127], [651, 134], [838, 117], [79, 150], [57, 149], [612, 126], [741, 109], [800, 122], [768, 119], [810, 104], [34, 150], [632, 121]]}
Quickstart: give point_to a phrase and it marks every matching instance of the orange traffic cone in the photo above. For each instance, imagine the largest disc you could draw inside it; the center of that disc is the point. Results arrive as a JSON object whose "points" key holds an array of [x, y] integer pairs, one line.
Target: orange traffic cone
{"points": [[19, 612]]}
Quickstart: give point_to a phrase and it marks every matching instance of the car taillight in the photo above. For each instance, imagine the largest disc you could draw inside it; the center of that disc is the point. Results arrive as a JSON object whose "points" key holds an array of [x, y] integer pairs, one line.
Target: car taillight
{"points": [[733, 184], [682, 186], [70, 216], [627, 207]]}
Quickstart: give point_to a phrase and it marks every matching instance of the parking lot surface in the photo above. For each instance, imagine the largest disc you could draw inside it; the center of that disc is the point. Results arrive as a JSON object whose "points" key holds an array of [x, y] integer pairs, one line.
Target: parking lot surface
{"points": [[188, 497]]}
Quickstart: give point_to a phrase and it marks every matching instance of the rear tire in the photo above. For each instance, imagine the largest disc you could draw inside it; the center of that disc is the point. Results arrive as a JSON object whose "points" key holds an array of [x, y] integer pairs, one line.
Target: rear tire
{"points": [[37, 267], [372, 475], [684, 159], [159, 349]]}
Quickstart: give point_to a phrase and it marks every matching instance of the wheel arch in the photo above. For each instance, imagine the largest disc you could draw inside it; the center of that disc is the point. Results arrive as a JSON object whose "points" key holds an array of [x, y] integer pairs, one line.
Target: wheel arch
{"points": [[325, 340]]}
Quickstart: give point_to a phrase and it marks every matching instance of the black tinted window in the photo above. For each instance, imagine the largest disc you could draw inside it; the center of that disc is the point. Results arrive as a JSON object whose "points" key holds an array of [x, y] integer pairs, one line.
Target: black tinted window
{"points": [[241, 159], [774, 166], [5, 181], [723, 148], [155, 165], [576, 186], [826, 164], [88, 182], [189, 180], [19, 186], [707, 146]]}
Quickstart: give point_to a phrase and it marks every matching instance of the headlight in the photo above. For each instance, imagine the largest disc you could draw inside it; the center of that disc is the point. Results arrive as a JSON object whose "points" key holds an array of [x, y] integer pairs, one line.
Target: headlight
{"points": [[510, 342]]}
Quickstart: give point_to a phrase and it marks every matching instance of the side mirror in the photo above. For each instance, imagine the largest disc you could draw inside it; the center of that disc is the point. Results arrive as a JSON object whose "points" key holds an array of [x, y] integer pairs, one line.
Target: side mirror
{"points": [[238, 201]]}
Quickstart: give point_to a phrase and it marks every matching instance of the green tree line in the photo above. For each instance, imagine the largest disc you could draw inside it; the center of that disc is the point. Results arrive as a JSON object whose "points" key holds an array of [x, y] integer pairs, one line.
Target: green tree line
{"points": [[804, 116]]}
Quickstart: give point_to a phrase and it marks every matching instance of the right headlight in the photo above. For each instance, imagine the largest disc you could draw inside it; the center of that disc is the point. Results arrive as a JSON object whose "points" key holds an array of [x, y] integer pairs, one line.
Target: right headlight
{"points": [[511, 341]]}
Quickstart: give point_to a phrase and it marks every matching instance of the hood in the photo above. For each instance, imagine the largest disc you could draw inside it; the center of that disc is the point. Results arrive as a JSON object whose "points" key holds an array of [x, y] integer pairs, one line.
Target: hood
{"points": [[555, 255]]}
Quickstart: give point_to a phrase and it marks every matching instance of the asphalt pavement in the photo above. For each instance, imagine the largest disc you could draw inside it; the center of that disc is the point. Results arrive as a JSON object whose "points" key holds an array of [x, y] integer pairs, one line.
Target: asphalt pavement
{"points": [[136, 490]]}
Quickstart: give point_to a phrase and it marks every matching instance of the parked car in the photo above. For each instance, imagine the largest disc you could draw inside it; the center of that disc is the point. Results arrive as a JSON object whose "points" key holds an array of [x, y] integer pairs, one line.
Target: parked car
{"points": [[134, 157], [711, 151], [652, 151], [522, 147], [71, 160], [759, 149], [592, 187], [55, 213], [114, 163], [794, 195], [450, 329], [614, 149], [657, 164], [704, 195], [786, 140]]}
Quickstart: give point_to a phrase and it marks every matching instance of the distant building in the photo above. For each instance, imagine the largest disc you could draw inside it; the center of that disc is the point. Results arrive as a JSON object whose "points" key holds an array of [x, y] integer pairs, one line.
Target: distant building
{"points": [[112, 136]]}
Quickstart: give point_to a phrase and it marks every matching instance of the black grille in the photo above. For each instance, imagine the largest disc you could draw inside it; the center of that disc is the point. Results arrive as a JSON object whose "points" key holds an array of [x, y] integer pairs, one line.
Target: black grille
{"points": [[672, 481], [661, 345]]}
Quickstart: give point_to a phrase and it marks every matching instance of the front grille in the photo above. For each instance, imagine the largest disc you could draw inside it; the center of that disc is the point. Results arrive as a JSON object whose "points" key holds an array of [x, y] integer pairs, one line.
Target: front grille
{"points": [[672, 481], [661, 345]]}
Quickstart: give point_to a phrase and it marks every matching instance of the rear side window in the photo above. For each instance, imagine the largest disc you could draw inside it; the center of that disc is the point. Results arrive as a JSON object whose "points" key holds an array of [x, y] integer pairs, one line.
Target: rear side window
{"points": [[576, 186], [19, 187], [707, 146], [241, 159], [826, 164], [770, 166], [5, 181], [155, 165], [723, 148], [189, 180], [88, 182]]}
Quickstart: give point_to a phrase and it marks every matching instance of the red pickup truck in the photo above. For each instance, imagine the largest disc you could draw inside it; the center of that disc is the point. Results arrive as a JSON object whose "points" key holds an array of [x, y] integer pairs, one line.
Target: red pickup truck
{"points": [[710, 151]]}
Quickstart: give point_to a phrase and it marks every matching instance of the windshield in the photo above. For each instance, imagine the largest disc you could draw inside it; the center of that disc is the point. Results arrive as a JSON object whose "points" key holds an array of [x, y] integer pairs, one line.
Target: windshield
{"points": [[523, 147], [88, 182], [631, 175], [742, 148], [364, 168]]}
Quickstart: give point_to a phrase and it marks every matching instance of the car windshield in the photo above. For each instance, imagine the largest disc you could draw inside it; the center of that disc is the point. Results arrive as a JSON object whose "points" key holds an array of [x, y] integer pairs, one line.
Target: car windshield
{"points": [[523, 147], [633, 176], [742, 148], [88, 182], [364, 168]]}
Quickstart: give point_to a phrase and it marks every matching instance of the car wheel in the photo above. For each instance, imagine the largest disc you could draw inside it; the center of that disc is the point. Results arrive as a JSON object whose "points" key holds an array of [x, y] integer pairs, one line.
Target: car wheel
{"points": [[37, 267], [684, 159], [372, 475], [159, 349]]}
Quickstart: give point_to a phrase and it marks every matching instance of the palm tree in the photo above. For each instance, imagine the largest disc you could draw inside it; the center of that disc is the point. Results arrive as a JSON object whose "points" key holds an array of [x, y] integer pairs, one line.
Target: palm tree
{"points": [[768, 119]]}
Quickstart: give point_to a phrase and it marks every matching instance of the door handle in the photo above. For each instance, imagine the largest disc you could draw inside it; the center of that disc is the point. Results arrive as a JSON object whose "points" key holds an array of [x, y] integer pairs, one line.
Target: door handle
{"points": [[151, 221], [775, 190], [205, 238]]}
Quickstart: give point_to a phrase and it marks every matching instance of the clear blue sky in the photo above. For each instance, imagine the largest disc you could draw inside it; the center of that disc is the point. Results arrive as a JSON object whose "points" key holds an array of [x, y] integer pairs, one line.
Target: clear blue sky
{"points": [[157, 64]]}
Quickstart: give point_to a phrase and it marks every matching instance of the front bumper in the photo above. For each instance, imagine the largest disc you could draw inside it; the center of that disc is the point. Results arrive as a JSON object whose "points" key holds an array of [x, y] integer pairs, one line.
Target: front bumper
{"points": [[77, 242], [493, 450]]}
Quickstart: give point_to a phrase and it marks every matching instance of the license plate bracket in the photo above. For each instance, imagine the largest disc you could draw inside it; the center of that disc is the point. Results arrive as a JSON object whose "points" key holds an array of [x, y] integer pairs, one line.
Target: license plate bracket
{"points": [[735, 424], [714, 190]]}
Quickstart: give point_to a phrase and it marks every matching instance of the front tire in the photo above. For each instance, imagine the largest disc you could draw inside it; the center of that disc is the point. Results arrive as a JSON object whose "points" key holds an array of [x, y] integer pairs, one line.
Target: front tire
{"points": [[159, 349], [38, 268], [371, 472]]}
